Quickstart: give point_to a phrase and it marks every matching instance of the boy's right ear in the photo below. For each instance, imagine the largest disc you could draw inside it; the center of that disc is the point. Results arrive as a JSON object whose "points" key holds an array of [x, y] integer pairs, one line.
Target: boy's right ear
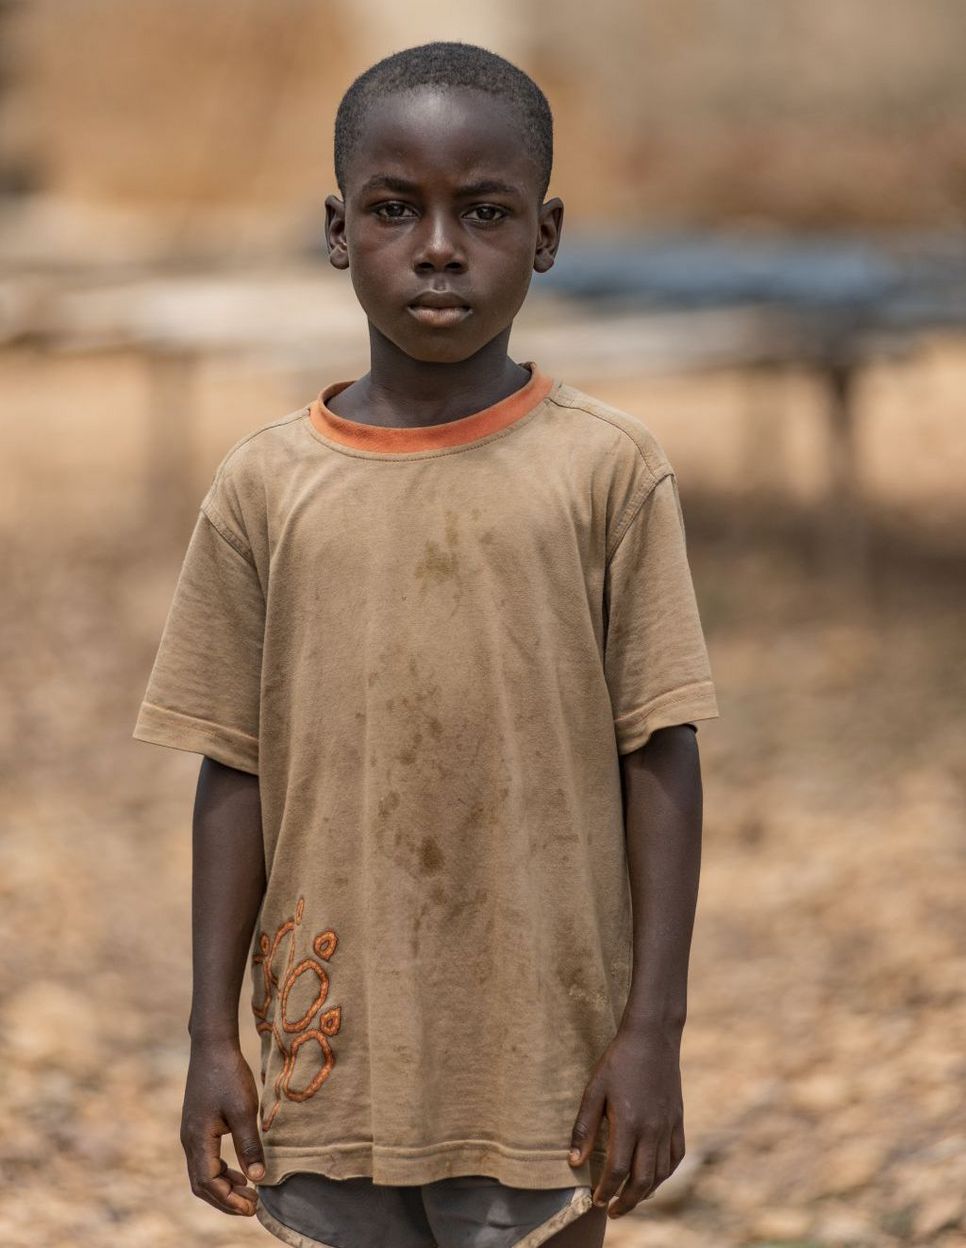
{"points": [[336, 243]]}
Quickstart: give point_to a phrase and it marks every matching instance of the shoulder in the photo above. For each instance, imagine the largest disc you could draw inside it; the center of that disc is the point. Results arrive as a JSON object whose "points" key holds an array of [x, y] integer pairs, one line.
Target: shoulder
{"points": [[236, 498], [619, 453], [250, 462], [257, 451], [615, 433]]}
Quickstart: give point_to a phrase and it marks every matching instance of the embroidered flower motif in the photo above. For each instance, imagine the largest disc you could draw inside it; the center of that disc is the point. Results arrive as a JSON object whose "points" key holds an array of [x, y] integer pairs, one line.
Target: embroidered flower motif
{"points": [[277, 990]]}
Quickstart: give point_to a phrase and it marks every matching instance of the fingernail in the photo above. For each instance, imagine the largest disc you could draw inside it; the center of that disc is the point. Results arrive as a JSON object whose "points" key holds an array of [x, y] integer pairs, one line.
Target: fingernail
{"points": [[257, 1171], [574, 1156]]}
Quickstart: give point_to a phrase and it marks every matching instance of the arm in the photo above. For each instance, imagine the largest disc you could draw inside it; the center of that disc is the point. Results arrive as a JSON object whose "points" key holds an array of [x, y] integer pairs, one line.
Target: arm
{"points": [[638, 1078], [228, 884], [663, 802]]}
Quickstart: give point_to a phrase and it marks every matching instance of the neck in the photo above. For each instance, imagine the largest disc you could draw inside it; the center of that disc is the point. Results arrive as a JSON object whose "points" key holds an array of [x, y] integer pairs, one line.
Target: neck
{"points": [[399, 391]]}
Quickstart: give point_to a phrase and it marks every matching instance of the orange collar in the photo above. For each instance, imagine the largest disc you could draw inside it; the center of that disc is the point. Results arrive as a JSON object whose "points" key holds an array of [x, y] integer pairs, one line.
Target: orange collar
{"points": [[428, 437]]}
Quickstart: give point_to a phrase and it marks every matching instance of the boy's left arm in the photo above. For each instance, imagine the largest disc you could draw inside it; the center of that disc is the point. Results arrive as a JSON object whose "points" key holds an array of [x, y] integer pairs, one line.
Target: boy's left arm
{"points": [[637, 1081]]}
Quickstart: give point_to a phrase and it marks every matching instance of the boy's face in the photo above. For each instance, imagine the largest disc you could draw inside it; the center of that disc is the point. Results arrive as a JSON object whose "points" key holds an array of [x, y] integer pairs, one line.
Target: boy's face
{"points": [[442, 207]]}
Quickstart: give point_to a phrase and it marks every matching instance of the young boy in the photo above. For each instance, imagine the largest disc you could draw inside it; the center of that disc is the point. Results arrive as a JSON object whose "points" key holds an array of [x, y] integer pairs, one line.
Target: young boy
{"points": [[436, 636]]}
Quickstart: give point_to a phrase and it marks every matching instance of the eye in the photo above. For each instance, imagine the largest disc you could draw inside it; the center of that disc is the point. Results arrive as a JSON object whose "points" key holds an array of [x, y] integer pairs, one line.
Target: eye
{"points": [[491, 213], [392, 211]]}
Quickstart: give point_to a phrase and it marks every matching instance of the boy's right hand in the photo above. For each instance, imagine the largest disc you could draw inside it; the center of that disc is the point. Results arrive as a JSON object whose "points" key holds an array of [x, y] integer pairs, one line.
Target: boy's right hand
{"points": [[221, 1096]]}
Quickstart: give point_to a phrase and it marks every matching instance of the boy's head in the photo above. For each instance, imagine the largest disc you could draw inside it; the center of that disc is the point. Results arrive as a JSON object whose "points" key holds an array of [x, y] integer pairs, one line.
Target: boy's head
{"points": [[442, 156], [447, 66]]}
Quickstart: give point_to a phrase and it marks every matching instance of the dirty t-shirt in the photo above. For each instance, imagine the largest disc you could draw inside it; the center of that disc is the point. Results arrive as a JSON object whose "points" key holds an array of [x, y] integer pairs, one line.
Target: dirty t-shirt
{"points": [[431, 644]]}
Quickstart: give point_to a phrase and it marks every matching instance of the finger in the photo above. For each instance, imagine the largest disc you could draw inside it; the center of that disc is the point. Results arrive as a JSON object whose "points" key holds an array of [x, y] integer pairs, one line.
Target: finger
{"points": [[586, 1123], [249, 1196], [239, 1187], [248, 1145], [202, 1147], [220, 1198], [223, 1194], [663, 1167], [640, 1181], [617, 1164], [206, 1169], [240, 1184], [677, 1145], [244, 1189]]}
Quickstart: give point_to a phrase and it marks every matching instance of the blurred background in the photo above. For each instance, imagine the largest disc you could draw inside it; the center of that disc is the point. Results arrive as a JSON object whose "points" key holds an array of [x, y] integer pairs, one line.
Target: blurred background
{"points": [[764, 259]]}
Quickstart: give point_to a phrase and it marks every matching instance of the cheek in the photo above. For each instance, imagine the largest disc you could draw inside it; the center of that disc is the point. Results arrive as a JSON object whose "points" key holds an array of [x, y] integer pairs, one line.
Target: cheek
{"points": [[375, 272], [374, 251], [509, 282]]}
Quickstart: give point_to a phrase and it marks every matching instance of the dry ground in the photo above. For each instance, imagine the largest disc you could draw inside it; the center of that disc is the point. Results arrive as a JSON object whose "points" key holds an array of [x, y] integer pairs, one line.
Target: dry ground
{"points": [[824, 1053]]}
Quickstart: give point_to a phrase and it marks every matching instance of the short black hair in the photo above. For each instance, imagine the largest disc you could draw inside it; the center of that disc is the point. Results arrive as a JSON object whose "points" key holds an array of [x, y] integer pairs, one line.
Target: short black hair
{"points": [[447, 64]]}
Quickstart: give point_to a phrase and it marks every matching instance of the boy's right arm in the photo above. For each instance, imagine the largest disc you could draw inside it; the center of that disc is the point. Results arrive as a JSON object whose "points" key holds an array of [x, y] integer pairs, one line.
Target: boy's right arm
{"points": [[228, 884]]}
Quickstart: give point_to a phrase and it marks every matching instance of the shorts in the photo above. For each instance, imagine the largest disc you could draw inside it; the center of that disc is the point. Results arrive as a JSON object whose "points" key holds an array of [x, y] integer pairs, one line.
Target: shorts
{"points": [[466, 1211]]}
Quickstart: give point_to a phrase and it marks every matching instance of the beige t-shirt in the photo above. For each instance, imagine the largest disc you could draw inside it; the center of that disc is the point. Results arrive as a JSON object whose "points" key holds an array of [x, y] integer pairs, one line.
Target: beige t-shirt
{"points": [[431, 644]]}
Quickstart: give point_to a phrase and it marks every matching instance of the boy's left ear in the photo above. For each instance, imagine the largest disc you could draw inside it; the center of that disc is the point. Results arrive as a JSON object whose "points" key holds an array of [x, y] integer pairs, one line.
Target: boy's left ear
{"points": [[548, 237], [336, 243]]}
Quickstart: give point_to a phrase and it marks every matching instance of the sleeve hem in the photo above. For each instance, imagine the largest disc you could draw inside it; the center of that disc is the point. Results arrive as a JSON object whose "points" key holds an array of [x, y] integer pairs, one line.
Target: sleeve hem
{"points": [[693, 702], [159, 725]]}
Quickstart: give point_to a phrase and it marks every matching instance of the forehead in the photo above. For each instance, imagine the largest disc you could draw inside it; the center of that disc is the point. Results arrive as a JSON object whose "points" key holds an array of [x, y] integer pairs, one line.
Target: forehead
{"points": [[442, 134]]}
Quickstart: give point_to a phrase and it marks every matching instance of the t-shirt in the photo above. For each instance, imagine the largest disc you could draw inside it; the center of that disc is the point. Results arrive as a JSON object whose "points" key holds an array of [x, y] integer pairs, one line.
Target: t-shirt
{"points": [[432, 644]]}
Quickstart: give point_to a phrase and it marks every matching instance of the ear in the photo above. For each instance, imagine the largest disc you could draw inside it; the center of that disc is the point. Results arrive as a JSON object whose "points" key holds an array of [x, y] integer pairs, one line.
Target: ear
{"points": [[550, 222], [336, 243]]}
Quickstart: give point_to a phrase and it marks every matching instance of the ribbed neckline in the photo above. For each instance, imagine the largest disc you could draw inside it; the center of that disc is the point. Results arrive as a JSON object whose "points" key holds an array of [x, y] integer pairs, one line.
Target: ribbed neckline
{"points": [[428, 437]]}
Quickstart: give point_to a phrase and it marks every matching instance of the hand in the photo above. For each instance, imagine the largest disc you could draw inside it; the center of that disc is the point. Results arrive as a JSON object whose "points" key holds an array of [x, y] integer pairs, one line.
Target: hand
{"points": [[221, 1096], [638, 1079]]}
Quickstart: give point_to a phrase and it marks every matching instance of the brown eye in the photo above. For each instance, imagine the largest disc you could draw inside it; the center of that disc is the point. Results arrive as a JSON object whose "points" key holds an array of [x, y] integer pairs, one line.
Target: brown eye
{"points": [[393, 211], [491, 213]]}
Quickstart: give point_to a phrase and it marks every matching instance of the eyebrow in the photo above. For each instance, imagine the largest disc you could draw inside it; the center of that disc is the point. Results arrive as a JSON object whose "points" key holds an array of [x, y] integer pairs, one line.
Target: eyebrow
{"points": [[486, 186]]}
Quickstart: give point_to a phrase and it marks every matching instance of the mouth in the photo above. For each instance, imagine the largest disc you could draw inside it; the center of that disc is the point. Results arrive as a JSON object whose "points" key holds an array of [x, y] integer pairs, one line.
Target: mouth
{"points": [[438, 309], [440, 317]]}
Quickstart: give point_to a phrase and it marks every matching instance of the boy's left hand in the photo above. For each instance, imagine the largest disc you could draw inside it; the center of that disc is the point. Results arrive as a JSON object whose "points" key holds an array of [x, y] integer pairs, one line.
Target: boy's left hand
{"points": [[637, 1083]]}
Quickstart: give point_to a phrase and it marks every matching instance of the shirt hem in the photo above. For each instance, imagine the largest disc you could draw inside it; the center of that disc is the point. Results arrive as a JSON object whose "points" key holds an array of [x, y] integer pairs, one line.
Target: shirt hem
{"points": [[399, 1167]]}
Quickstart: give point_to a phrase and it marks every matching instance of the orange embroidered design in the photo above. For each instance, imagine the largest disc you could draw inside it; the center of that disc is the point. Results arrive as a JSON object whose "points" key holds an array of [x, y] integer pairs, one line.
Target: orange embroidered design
{"points": [[277, 990]]}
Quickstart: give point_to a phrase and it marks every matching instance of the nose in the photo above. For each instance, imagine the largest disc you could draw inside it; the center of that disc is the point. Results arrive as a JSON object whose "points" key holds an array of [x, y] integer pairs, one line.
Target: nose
{"points": [[438, 245]]}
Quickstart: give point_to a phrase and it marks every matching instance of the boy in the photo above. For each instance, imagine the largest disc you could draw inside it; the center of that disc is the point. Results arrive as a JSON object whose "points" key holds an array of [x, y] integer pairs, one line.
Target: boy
{"points": [[436, 636]]}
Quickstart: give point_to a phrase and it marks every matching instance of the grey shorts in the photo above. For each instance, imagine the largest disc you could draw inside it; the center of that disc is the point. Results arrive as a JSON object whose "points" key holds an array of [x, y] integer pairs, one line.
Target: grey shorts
{"points": [[467, 1211]]}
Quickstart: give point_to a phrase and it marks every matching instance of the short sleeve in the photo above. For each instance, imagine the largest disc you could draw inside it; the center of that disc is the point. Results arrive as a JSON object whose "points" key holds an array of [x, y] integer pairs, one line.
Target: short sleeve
{"points": [[203, 693], [655, 658]]}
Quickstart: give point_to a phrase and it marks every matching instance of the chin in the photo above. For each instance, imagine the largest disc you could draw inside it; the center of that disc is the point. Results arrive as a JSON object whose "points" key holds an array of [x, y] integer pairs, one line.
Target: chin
{"points": [[443, 351]]}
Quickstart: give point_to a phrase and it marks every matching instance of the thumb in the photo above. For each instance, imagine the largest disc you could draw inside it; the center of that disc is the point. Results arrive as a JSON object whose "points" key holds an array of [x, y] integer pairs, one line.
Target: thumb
{"points": [[248, 1147], [586, 1124]]}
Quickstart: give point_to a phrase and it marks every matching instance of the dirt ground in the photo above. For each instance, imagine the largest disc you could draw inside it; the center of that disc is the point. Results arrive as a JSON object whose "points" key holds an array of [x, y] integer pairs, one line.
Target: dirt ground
{"points": [[824, 1052]]}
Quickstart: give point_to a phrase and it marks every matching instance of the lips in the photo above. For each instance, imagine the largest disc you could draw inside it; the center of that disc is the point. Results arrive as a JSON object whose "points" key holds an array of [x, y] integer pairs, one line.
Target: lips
{"points": [[439, 308], [439, 299]]}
